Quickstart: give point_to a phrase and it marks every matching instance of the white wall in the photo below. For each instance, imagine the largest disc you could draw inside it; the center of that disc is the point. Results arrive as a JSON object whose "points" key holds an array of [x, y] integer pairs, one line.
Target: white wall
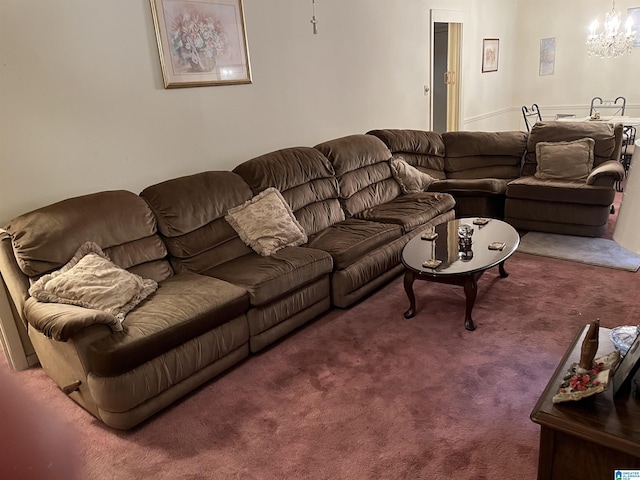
{"points": [[577, 77], [83, 108]]}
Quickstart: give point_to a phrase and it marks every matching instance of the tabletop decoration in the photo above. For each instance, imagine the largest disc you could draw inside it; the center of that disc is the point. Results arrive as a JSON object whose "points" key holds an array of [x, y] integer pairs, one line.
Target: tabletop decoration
{"points": [[589, 376]]}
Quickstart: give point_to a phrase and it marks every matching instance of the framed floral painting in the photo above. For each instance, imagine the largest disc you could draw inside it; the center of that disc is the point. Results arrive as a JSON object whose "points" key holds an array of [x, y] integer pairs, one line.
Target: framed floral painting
{"points": [[201, 42]]}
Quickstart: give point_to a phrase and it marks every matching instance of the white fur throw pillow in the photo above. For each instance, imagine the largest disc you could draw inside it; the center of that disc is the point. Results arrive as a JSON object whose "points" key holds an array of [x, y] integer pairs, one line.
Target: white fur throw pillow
{"points": [[411, 179], [266, 223], [91, 280]]}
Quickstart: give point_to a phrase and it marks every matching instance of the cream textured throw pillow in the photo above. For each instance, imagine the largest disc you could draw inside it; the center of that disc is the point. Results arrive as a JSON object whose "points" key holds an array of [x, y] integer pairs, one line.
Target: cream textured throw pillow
{"points": [[91, 280], [411, 179], [569, 161], [266, 223]]}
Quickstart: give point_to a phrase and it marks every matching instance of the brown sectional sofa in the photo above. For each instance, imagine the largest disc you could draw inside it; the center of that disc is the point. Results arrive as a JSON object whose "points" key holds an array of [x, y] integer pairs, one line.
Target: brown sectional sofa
{"points": [[474, 167], [218, 300], [493, 174]]}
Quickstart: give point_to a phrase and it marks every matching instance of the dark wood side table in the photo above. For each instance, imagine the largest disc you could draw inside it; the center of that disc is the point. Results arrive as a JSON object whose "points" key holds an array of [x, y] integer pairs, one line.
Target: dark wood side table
{"points": [[590, 438]]}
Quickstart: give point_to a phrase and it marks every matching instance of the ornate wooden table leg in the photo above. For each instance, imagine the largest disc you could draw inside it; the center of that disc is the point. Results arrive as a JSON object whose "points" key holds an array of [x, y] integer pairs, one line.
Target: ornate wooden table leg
{"points": [[503, 272], [409, 277], [470, 292]]}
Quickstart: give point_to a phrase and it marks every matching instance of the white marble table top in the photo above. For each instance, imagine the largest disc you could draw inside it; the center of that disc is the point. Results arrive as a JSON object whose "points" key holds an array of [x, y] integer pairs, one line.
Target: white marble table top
{"points": [[625, 120]]}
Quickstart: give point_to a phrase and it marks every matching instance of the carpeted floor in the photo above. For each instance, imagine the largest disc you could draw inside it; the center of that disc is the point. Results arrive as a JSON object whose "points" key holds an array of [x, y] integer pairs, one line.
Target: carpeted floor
{"points": [[363, 393]]}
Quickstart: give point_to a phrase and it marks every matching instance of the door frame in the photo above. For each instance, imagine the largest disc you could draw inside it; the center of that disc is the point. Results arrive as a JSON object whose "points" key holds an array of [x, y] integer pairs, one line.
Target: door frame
{"points": [[445, 16]]}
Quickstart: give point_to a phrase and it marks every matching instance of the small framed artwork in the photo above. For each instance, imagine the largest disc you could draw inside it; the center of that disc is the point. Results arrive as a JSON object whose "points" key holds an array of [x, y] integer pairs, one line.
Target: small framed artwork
{"points": [[634, 13], [490, 48], [201, 42], [547, 56], [627, 368]]}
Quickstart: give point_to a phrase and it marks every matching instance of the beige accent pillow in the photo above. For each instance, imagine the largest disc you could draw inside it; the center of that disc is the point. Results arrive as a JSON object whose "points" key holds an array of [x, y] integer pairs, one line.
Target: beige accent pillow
{"points": [[411, 179], [91, 280], [266, 223], [572, 161]]}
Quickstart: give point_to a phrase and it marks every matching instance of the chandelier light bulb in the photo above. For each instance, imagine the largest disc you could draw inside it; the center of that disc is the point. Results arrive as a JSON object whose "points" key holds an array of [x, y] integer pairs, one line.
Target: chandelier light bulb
{"points": [[612, 22]]}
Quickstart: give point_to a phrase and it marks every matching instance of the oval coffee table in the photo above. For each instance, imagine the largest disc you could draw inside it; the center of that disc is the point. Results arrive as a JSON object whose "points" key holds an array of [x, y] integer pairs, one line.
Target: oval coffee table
{"points": [[457, 268]]}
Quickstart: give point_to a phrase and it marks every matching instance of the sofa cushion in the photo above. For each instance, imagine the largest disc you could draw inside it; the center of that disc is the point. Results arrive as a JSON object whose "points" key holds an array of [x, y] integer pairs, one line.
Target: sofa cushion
{"points": [[410, 211], [266, 223], [363, 171], [471, 187], [411, 179], [92, 281], [421, 149], [483, 154], [349, 241], [191, 212], [185, 306], [306, 180], [267, 278], [558, 191], [120, 222], [571, 161]]}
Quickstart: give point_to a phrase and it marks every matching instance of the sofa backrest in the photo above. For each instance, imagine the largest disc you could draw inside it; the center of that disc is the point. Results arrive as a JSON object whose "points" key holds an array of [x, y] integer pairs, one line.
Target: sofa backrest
{"points": [[424, 150], [483, 154], [190, 212], [120, 222], [608, 140], [361, 164], [306, 180]]}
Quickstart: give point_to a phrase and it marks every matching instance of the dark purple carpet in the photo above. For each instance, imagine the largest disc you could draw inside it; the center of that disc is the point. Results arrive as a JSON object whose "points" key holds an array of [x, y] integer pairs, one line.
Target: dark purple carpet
{"points": [[365, 394]]}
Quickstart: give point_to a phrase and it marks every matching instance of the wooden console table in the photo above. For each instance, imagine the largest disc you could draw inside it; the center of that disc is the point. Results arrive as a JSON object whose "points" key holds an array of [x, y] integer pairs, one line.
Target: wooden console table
{"points": [[590, 438]]}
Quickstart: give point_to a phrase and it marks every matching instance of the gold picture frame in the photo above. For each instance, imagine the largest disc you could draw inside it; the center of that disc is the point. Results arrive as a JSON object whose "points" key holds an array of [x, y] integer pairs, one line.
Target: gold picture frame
{"points": [[201, 43], [490, 50]]}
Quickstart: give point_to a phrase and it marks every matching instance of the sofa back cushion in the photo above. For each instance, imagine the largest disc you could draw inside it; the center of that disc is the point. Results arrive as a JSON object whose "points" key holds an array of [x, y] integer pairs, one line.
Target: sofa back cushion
{"points": [[306, 180], [484, 154], [119, 222], [420, 149], [608, 139], [190, 212], [361, 164]]}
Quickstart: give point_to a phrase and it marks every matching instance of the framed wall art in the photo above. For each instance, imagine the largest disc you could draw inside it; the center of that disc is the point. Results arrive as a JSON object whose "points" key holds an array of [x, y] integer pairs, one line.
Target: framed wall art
{"points": [[490, 48], [547, 56], [201, 42], [634, 13]]}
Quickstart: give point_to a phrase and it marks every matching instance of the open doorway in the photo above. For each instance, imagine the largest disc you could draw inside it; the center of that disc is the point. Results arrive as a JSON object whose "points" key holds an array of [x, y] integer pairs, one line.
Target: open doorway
{"points": [[446, 74]]}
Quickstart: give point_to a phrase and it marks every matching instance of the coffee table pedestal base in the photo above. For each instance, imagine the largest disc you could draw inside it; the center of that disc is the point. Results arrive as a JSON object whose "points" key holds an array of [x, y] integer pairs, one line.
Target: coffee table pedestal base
{"points": [[469, 282]]}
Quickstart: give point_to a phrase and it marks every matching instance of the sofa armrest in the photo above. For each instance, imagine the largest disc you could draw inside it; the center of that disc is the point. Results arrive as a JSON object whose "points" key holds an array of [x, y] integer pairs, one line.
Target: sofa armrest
{"points": [[606, 174], [61, 322]]}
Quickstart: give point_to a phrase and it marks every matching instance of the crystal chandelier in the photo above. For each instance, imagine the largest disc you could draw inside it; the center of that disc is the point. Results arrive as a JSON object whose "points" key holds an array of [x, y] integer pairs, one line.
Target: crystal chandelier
{"points": [[611, 42]]}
